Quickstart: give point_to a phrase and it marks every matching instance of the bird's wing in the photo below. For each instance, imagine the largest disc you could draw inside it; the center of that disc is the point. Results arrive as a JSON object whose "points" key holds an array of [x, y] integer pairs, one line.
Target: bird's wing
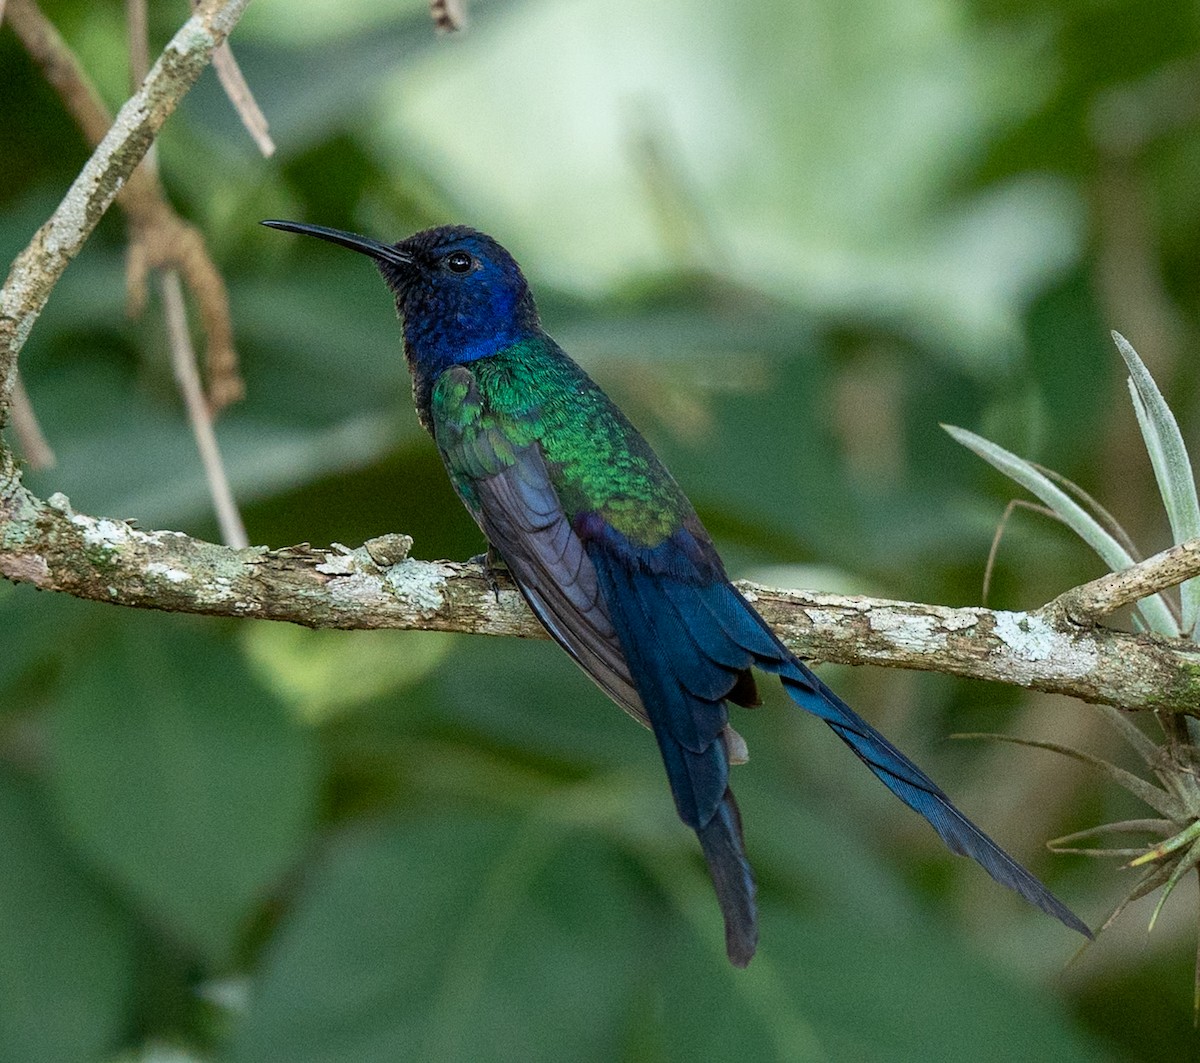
{"points": [[501, 475]]}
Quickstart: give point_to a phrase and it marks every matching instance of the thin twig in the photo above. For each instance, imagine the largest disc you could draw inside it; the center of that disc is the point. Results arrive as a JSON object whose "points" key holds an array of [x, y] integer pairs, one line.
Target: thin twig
{"points": [[109, 172], [242, 98], [37, 451], [1106, 519], [183, 359], [138, 33], [1103, 596], [238, 91], [60, 67], [1013, 504]]}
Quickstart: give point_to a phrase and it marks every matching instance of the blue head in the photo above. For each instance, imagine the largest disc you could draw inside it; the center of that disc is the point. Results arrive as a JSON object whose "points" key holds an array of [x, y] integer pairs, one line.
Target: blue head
{"points": [[460, 294]]}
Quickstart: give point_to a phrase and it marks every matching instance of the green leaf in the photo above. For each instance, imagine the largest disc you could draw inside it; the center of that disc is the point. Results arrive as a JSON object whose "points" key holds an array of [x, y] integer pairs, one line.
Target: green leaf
{"points": [[180, 777], [1172, 466], [475, 938], [323, 674], [1154, 608], [452, 938], [871, 996], [67, 967]]}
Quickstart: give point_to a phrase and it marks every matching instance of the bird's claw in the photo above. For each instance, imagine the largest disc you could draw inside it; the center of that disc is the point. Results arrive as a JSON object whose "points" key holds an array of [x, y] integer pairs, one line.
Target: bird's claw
{"points": [[491, 563]]}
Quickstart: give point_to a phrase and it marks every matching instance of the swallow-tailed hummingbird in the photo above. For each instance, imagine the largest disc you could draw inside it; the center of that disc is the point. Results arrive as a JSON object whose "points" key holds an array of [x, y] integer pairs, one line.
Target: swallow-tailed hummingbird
{"points": [[610, 555]]}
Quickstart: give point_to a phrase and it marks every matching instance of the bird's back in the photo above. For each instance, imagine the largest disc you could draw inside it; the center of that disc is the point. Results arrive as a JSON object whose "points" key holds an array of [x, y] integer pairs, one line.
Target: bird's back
{"points": [[600, 465]]}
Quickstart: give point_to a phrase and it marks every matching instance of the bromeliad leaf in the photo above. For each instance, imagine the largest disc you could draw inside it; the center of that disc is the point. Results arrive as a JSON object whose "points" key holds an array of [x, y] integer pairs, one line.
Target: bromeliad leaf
{"points": [[1154, 610], [1172, 466]]}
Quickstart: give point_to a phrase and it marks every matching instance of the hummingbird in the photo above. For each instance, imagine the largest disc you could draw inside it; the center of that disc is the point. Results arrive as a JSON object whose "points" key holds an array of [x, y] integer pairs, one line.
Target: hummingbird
{"points": [[611, 557]]}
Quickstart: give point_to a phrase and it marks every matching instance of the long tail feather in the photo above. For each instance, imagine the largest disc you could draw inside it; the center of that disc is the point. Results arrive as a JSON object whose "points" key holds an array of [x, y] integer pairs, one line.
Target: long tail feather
{"points": [[918, 791], [725, 852], [684, 690]]}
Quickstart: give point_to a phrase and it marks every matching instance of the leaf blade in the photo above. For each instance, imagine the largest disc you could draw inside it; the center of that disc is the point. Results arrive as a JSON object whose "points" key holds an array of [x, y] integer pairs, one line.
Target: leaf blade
{"points": [[1172, 466], [1154, 609]]}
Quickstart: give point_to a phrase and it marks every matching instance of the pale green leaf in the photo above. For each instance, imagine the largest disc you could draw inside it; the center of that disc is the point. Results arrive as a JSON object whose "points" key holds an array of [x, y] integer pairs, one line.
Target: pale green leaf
{"points": [[1154, 609], [1172, 466]]}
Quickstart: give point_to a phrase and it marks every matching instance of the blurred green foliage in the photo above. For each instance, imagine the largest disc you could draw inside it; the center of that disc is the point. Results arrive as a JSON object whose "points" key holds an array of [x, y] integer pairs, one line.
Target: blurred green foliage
{"points": [[790, 239]]}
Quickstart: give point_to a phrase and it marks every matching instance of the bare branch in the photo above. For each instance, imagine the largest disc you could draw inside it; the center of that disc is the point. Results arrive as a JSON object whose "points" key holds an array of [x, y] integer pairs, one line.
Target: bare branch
{"points": [[243, 100], [37, 269], [239, 94], [137, 31], [989, 567], [183, 352]]}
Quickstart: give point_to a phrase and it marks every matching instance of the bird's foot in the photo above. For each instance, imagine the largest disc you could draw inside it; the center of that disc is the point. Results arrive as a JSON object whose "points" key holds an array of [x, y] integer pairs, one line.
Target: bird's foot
{"points": [[492, 565]]}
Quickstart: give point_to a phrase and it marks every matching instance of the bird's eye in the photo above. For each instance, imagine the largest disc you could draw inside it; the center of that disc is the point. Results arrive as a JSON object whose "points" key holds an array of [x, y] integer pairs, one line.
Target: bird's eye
{"points": [[459, 262]]}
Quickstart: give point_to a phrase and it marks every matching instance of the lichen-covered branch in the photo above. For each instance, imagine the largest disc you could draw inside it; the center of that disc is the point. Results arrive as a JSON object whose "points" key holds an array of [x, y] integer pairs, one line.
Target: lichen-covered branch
{"points": [[37, 269], [377, 585], [1106, 595]]}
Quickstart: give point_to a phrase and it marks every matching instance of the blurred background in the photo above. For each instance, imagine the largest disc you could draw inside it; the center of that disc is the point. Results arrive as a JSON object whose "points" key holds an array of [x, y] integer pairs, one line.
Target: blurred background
{"points": [[790, 239]]}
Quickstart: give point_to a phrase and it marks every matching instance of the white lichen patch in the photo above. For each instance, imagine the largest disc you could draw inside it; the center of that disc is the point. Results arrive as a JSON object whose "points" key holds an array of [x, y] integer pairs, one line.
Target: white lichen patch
{"points": [[217, 589], [361, 591], [959, 620], [1030, 639], [420, 584], [908, 631], [174, 575], [823, 618], [338, 565], [107, 533], [102, 532]]}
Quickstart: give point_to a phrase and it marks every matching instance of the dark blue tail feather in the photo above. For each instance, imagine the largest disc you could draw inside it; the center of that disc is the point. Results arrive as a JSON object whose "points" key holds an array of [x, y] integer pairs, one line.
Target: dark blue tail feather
{"points": [[683, 690], [688, 646], [725, 852], [917, 790]]}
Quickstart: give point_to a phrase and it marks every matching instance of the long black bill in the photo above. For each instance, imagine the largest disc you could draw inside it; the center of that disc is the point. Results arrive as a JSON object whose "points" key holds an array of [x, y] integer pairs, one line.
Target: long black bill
{"points": [[363, 244]]}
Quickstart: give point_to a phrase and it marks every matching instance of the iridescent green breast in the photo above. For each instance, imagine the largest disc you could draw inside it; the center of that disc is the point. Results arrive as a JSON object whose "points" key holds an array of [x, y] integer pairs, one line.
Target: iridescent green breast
{"points": [[486, 411]]}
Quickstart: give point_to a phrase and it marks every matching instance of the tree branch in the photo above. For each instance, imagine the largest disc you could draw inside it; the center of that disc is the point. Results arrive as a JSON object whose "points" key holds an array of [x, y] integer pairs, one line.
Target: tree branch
{"points": [[1104, 596], [50, 546], [37, 269], [183, 360]]}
